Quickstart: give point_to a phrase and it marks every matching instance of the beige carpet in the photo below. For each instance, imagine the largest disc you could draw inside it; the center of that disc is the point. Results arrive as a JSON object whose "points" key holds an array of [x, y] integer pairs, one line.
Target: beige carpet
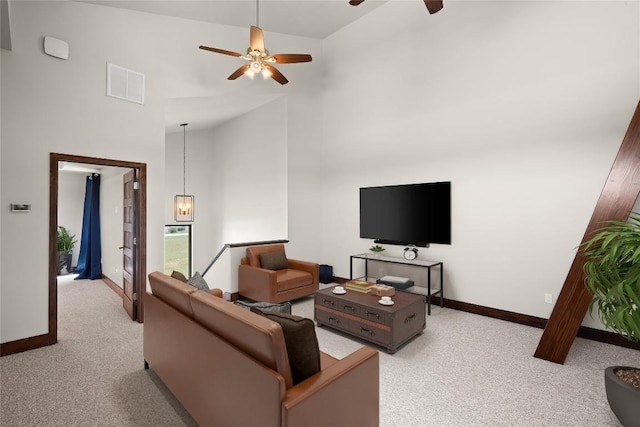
{"points": [[465, 370]]}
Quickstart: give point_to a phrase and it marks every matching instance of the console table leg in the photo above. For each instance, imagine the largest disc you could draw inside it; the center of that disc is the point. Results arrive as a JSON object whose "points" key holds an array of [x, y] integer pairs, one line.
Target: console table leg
{"points": [[429, 291], [441, 285]]}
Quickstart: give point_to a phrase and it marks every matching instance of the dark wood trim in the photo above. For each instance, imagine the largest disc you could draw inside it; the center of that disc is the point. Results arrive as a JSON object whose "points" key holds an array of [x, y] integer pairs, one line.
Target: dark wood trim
{"points": [[25, 344], [509, 316], [114, 287], [265, 242], [54, 158], [615, 203], [142, 240], [53, 249], [524, 319]]}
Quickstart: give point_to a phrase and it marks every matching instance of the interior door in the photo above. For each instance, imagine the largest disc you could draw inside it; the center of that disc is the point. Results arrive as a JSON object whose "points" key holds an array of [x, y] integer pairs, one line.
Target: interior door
{"points": [[130, 252]]}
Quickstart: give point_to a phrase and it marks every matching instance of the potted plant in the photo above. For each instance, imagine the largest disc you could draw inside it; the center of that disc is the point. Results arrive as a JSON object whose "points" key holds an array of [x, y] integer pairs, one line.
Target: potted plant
{"points": [[612, 274], [377, 250], [66, 243]]}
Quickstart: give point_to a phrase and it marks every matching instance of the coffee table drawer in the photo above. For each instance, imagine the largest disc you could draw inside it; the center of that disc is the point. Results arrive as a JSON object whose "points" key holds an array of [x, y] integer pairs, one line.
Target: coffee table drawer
{"points": [[332, 319], [370, 333], [339, 304], [328, 301], [374, 315]]}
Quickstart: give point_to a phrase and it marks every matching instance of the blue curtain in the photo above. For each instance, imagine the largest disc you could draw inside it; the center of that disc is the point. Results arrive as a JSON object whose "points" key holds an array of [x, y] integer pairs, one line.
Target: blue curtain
{"points": [[90, 257]]}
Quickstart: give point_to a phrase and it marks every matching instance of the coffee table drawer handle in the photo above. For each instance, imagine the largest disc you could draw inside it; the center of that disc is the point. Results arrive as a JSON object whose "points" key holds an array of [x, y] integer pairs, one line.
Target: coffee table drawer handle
{"points": [[410, 318], [335, 320], [328, 302], [350, 308], [368, 331], [369, 313]]}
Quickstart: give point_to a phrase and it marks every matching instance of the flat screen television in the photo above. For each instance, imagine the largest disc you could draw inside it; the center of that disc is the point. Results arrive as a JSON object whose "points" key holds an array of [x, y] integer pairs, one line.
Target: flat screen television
{"points": [[417, 214]]}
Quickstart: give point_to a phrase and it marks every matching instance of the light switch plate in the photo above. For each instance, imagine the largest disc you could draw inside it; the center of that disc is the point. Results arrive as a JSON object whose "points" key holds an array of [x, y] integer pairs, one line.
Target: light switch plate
{"points": [[20, 207]]}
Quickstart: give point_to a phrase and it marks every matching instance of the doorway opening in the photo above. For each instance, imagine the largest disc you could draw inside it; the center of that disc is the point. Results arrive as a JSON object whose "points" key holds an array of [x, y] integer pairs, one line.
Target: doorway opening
{"points": [[140, 225]]}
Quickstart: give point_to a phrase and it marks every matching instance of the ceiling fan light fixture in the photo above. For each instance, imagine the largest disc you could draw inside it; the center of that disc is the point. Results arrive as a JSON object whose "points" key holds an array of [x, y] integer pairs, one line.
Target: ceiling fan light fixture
{"points": [[266, 72], [260, 60]]}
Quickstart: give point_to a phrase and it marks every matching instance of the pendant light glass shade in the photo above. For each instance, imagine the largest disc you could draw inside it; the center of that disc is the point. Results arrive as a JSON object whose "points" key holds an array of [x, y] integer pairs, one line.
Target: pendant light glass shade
{"points": [[183, 203]]}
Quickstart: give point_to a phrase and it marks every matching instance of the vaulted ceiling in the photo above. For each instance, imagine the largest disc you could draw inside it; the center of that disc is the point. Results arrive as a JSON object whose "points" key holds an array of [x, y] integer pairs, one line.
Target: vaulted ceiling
{"points": [[308, 18]]}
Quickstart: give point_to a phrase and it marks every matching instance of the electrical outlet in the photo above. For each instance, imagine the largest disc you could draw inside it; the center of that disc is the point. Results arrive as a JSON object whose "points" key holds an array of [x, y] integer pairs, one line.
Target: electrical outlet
{"points": [[548, 298], [116, 269]]}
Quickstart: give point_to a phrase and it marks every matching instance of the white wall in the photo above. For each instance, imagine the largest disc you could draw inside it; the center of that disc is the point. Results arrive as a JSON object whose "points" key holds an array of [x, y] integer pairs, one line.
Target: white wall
{"points": [[71, 189], [238, 175], [521, 105], [52, 105]]}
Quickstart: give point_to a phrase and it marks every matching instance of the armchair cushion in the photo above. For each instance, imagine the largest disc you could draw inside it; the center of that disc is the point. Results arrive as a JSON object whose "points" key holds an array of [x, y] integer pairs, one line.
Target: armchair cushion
{"points": [[274, 260], [292, 279], [301, 341]]}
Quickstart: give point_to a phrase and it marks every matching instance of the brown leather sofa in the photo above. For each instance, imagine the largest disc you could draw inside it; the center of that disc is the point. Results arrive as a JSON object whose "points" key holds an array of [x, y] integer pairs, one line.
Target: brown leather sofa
{"points": [[229, 367], [258, 283]]}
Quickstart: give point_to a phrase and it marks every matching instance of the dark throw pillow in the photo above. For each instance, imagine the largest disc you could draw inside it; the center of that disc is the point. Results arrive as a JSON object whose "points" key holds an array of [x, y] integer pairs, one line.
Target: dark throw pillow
{"points": [[179, 276], [198, 281], [300, 339], [284, 307], [274, 260]]}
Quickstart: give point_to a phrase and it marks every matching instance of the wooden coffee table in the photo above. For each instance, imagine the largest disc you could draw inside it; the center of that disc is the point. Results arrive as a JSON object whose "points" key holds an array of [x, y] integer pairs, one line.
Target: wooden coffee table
{"points": [[361, 315]]}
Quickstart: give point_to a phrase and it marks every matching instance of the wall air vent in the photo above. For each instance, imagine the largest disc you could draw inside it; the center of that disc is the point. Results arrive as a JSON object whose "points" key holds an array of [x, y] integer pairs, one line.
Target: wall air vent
{"points": [[125, 84]]}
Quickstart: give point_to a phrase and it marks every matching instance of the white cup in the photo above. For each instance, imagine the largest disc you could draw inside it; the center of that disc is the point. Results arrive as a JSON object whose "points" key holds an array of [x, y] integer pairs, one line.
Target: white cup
{"points": [[339, 289], [385, 300]]}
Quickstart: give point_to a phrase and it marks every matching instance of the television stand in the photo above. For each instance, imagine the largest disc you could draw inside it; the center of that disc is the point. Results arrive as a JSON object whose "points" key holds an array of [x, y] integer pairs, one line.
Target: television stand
{"points": [[396, 260]]}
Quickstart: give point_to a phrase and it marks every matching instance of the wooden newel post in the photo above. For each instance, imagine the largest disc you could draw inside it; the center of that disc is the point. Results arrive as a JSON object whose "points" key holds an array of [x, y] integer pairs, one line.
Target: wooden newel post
{"points": [[615, 203]]}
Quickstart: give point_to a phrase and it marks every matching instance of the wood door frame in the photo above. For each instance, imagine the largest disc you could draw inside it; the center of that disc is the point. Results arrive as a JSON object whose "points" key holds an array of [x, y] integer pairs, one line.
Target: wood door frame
{"points": [[54, 159]]}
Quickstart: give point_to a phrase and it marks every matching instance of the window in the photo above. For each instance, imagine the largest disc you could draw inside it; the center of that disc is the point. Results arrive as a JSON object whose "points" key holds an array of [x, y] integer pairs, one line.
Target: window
{"points": [[177, 249]]}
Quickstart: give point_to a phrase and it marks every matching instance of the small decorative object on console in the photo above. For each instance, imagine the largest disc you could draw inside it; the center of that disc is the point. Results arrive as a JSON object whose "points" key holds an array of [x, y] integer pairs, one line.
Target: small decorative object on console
{"points": [[396, 282], [410, 253]]}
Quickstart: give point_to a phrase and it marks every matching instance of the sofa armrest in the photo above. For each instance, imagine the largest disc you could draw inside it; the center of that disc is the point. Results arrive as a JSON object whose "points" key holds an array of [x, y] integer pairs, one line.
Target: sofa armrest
{"points": [[257, 274], [216, 292], [256, 283], [350, 388]]}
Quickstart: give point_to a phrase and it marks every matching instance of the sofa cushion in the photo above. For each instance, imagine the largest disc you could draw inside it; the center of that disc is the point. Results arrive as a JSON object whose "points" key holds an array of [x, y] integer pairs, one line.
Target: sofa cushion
{"points": [[198, 282], [179, 276], [291, 279], [274, 260], [255, 335], [302, 343], [172, 291]]}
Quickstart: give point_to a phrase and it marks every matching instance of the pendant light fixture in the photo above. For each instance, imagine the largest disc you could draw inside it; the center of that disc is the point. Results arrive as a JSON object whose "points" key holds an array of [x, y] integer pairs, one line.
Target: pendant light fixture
{"points": [[183, 205]]}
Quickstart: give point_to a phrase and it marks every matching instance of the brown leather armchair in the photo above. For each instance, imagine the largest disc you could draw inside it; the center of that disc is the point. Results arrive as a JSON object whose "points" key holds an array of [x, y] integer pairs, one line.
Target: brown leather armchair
{"points": [[297, 280]]}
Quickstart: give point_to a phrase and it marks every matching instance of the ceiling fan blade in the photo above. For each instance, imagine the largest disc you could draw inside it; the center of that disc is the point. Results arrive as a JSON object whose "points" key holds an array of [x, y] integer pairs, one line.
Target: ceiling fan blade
{"points": [[277, 75], [240, 71], [355, 2], [256, 39], [433, 5], [290, 58], [222, 51]]}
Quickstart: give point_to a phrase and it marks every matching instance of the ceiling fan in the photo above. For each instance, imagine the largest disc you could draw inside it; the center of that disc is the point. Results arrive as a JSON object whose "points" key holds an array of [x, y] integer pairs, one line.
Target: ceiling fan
{"points": [[260, 60], [432, 5]]}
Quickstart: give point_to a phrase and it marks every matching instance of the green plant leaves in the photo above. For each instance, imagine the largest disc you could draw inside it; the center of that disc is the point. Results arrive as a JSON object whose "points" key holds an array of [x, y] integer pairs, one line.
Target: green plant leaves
{"points": [[612, 275]]}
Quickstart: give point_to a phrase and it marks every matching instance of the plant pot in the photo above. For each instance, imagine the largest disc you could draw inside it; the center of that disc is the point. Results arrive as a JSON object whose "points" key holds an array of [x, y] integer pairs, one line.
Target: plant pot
{"points": [[624, 399], [64, 260]]}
